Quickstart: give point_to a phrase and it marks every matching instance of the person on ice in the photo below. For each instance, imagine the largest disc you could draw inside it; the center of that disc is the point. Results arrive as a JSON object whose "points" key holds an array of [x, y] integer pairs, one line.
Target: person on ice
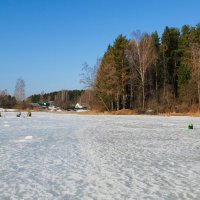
{"points": [[29, 114], [19, 114]]}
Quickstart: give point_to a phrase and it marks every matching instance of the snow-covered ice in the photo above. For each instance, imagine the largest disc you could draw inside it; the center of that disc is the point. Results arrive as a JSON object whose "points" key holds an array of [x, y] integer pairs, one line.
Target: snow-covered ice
{"points": [[56, 156]]}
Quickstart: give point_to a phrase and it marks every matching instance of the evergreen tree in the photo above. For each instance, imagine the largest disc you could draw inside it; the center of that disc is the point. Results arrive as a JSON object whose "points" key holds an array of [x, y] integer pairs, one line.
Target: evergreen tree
{"points": [[170, 62], [153, 71], [107, 83], [184, 69], [121, 64]]}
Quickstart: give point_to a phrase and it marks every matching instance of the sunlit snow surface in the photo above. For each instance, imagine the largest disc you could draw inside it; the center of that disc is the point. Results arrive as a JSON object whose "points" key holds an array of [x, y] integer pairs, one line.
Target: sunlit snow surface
{"points": [[59, 157]]}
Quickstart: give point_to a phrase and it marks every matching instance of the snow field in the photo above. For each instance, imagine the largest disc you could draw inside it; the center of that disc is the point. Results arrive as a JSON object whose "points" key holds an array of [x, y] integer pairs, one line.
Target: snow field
{"points": [[58, 156]]}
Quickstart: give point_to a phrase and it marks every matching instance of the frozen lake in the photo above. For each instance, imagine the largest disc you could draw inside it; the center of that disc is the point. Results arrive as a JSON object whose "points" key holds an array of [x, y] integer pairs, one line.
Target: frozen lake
{"points": [[76, 157]]}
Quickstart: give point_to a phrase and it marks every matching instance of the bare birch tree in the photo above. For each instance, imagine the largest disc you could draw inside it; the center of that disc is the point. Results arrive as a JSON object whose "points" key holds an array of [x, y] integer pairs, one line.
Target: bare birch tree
{"points": [[20, 90], [88, 78], [140, 58], [88, 74]]}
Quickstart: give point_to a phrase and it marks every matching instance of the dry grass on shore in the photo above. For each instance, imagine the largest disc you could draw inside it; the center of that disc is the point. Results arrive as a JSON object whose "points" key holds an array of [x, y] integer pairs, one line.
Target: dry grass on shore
{"points": [[135, 112], [192, 114], [119, 112]]}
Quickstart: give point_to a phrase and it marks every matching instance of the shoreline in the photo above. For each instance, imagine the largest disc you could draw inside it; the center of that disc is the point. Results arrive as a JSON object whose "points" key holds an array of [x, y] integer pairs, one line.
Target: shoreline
{"points": [[119, 112]]}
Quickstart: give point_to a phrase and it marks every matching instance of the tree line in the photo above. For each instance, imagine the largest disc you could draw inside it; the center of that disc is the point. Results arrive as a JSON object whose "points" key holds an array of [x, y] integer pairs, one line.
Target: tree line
{"points": [[6, 100], [16, 101], [64, 98], [148, 72]]}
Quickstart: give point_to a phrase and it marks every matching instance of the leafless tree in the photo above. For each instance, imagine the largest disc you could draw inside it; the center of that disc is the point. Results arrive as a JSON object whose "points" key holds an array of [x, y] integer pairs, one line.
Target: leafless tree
{"points": [[140, 58], [42, 96], [20, 90], [88, 78], [3, 93], [89, 74]]}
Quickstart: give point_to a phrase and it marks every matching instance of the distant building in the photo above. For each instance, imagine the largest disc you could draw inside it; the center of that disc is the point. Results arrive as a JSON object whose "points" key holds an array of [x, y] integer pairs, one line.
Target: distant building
{"points": [[78, 106], [39, 105]]}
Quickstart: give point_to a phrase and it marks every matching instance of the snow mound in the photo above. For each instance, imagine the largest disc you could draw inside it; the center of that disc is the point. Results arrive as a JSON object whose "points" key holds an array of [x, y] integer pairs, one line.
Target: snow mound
{"points": [[30, 137], [26, 139], [6, 125]]}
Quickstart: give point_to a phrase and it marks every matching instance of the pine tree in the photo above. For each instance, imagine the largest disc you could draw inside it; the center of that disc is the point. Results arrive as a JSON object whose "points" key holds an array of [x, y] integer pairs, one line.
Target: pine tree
{"points": [[106, 85], [121, 64], [170, 62]]}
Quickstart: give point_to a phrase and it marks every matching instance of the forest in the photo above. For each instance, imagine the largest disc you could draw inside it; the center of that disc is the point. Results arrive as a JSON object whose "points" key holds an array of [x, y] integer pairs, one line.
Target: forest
{"points": [[148, 72]]}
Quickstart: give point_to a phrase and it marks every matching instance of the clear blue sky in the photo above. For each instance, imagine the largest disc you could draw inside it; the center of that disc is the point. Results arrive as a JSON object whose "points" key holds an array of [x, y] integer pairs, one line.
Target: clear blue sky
{"points": [[45, 42]]}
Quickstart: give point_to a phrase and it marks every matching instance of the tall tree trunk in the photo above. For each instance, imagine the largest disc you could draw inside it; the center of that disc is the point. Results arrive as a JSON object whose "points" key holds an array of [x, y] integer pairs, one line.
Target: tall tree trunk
{"points": [[123, 76], [164, 75], [118, 101], [104, 103], [112, 105], [143, 96], [156, 89], [131, 96], [199, 94], [124, 101]]}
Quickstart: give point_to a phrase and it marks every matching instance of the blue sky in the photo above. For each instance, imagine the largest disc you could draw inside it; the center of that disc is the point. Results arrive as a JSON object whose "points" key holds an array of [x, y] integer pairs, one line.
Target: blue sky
{"points": [[45, 42]]}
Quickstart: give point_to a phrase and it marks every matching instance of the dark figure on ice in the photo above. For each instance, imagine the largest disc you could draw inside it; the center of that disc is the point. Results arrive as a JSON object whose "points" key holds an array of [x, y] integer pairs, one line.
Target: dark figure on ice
{"points": [[19, 114], [29, 114]]}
